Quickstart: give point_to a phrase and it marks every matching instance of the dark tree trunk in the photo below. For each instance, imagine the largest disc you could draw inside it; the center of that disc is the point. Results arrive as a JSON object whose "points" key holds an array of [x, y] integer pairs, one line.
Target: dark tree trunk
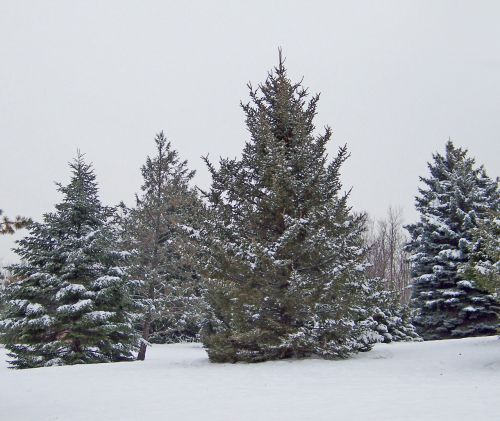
{"points": [[141, 355]]}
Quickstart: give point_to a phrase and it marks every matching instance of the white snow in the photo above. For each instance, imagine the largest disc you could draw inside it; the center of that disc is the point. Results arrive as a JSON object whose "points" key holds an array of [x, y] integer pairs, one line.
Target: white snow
{"points": [[70, 289], [464, 284], [99, 315], [437, 380], [78, 306], [33, 309], [450, 254]]}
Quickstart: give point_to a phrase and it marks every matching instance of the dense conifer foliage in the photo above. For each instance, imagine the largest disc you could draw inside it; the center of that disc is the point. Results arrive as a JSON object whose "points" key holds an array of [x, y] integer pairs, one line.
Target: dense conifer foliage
{"points": [[483, 266], [68, 302], [456, 199], [154, 235], [392, 318], [285, 258]]}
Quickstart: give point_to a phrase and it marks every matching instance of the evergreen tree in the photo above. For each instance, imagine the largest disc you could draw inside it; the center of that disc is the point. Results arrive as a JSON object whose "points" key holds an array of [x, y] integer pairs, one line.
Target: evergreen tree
{"points": [[68, 302], [154, 233], [285, 259], [392, 319], [455, 198], [483, 266]]}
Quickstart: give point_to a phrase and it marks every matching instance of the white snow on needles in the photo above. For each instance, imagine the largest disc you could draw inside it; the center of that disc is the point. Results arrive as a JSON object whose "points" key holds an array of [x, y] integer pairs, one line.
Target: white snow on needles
{"points": [[441, 380]]}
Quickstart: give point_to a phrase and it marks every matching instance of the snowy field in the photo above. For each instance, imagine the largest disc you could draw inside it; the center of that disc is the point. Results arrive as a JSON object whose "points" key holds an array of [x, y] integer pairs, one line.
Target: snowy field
{"points": [[446, 380]]}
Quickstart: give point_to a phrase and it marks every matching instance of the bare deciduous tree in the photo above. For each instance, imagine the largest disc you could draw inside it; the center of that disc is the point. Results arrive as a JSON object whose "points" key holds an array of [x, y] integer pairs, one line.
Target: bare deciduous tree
{"points": [[386, 239]]}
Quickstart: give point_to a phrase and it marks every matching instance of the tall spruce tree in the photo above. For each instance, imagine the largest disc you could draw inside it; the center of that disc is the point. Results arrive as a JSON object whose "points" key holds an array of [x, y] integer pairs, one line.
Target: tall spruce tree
{"points": [[154, 232], [455, 198], [284, 254], [68, 302]]}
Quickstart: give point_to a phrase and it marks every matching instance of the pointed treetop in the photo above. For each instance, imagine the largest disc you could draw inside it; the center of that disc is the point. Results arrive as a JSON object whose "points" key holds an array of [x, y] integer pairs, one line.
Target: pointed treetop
{"points": [[281, 62]]}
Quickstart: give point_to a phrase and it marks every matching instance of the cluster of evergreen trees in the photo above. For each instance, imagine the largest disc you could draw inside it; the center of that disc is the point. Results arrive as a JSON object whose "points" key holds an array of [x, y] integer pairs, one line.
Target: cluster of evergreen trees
{"points": [[269, 263]]}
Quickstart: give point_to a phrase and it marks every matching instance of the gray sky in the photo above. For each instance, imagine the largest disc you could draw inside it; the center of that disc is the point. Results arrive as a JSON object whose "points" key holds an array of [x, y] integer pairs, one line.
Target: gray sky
{"points": [[397, 79]]}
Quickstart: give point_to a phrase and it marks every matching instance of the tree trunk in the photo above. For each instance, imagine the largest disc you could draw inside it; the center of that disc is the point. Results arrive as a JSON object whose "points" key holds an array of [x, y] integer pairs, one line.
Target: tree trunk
{"points": [[141, 355]]}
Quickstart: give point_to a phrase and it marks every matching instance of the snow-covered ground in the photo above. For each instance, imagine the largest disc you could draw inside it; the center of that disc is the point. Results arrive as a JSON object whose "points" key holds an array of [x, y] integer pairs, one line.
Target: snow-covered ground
{"points": [[445, 380]]}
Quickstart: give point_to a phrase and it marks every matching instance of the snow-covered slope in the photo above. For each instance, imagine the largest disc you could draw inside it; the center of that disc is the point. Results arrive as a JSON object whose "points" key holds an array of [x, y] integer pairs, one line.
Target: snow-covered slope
{"points": [[445, 380]]}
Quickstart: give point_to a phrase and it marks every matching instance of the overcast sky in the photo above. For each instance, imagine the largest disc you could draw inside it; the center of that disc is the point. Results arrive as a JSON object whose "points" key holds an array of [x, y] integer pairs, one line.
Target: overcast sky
{"points": [[397, 78]]}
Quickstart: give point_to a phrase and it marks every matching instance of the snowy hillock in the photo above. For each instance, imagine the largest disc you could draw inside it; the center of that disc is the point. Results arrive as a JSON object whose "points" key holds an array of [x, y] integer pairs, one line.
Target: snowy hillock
{"points": [[435, 380]]}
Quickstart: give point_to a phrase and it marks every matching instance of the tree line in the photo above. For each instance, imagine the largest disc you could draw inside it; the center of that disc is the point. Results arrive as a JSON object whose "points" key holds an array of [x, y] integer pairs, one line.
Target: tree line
{"points": [[270, 262]]}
